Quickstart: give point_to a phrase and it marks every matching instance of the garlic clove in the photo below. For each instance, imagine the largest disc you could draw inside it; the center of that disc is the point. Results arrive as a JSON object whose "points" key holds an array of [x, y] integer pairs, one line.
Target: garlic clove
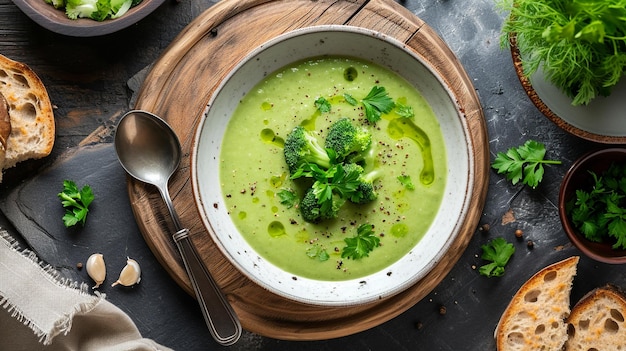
{"points": [[96, 269], [130, 275]]}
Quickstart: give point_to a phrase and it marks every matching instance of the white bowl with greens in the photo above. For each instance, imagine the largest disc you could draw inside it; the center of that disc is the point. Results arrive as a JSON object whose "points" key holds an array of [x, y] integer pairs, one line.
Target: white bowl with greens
{"points": [[355, 249], [571, 58]]}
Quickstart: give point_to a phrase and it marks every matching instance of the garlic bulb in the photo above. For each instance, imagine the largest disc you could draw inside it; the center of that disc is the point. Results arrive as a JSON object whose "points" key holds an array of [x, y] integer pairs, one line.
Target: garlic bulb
{"points": [[96, 269], [130, 275]]}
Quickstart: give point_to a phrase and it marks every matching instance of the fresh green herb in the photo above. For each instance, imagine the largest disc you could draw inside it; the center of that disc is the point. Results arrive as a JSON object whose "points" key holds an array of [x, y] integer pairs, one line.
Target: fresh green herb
{"points": [[76, 201], [322, 104], [406, 181], [376, 103], [349, 99], [404, 111], [600, 213], [318, 252], [362, 244], [523, 163], [98, 10], [580, 45], [287, 198], [498, 251], [336, 180]]}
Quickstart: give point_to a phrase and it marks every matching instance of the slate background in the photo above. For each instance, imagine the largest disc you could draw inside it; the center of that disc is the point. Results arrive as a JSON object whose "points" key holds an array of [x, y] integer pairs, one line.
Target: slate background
{"points": [[91, 82]]}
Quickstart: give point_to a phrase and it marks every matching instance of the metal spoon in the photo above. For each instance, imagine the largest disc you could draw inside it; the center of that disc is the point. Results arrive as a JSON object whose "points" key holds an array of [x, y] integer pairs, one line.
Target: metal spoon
{"points": [[149, 150]]}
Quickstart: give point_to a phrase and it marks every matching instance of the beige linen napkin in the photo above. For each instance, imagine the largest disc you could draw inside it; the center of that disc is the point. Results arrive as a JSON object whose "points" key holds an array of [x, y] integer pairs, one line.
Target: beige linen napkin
{"points": [[42, 311]]}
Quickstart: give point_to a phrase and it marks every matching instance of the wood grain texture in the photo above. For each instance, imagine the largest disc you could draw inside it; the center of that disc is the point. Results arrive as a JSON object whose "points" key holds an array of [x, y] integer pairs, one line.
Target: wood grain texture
{"points": [[178, 88]]}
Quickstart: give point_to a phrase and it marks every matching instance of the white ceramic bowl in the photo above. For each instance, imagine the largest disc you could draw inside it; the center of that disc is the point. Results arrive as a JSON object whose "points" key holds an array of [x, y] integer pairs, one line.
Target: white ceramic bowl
{"points": [[345, 41], [601, 121]]}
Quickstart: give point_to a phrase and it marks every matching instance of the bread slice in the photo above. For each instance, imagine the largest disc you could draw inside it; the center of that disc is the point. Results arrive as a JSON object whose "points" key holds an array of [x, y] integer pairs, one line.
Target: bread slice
{"points": [[597, 321], [535, 317], [30, 110], [5, 127]]}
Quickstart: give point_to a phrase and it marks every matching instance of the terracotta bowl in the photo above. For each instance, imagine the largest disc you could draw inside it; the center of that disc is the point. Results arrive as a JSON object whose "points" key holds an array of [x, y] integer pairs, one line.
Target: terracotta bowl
{"points": [[55, 19], [601, 121], [578, 177]]}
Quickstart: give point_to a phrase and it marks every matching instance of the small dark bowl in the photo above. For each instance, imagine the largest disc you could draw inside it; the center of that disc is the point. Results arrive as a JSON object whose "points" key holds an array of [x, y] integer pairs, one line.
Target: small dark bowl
{"points": [[55, 20], [578, 177]]}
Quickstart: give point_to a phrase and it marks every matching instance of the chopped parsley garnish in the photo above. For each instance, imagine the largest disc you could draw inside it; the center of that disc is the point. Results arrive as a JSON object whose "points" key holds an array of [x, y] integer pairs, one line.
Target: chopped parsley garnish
{"points": [[600, 213], [76, 201], [498, 251], [404, 111], [287, 198], [322, 104], [376, 103], [362, 244], [406, 181], [318, 252]]}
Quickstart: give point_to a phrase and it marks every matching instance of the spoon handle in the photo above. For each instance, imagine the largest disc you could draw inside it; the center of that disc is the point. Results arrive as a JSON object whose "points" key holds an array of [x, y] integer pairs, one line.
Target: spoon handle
{"points": [[218, 314]]}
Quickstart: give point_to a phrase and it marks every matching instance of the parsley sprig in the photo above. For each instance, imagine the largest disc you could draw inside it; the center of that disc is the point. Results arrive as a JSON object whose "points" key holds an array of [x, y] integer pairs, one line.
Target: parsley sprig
{"points": [[600, 213], [406, 181], [362, 244], [498, 251], [331, 187], [76, 201], [523, 163], [375, 103]]}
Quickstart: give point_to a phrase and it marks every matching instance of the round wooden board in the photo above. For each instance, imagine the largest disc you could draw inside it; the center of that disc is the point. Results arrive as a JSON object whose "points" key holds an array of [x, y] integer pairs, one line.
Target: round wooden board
{"points": [[178, 88]]}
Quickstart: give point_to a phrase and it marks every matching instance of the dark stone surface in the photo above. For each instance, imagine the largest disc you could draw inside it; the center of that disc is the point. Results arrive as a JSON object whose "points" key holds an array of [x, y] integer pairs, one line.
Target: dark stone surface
{"points": [[94, 81]]}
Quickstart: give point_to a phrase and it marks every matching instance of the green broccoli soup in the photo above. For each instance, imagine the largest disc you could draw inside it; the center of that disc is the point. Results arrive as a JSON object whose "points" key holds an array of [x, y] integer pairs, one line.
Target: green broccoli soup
{"points": [[311, 216]]}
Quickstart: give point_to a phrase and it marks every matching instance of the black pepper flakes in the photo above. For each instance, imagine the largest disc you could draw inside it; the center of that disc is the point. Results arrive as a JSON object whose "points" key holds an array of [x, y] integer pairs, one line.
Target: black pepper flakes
{"points": [[79, 266], [530, 244]]}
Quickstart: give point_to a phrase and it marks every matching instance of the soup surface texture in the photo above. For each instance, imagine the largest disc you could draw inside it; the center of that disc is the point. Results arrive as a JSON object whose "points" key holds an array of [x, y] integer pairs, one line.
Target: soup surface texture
{"points": [[253, 171]]}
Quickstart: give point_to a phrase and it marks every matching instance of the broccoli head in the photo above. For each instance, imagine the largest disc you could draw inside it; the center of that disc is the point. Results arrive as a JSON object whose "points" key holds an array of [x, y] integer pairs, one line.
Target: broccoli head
{"points": [[302, 147], [365, 191], [312, 211], [347, 140]]}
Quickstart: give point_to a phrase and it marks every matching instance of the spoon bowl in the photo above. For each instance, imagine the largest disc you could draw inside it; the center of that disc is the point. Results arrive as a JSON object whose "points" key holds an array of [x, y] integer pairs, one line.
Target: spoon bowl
{"points": [[147, 148]]}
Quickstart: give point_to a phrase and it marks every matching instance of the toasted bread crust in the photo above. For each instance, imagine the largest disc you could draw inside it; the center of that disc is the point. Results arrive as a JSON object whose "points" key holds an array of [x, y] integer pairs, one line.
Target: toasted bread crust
{"points": [[32, 119], [5, 124], [597, 321], [535, 317]]}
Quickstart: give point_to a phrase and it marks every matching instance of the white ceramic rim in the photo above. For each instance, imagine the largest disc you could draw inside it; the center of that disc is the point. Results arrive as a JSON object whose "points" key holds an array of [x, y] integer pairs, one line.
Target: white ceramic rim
{"points": [[603, 116], [443, 231]]}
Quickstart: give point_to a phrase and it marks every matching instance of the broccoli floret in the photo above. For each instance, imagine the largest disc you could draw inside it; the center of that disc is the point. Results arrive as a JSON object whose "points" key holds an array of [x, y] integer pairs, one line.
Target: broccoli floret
{"points": [[312, 211], [365, 191], [302, 147], [347, 140], [309, 208]]}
